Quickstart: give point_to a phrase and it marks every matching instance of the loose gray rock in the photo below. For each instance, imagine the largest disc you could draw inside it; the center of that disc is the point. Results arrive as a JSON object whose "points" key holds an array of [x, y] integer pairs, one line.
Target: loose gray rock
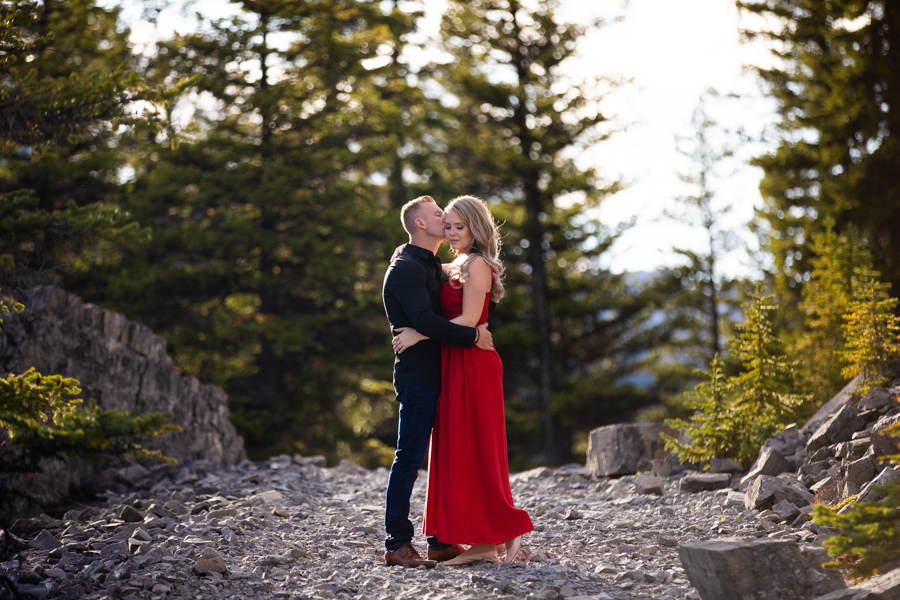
{"points": [[860, 472], [624, 449], [868, 492], [131, 515], [733, 568], [215, 564], [840, 427], [314, 461], [765, 491], [703, 482], [46, 541], [879, 587], [649, 484], [770, 462], [877, 398], [827, 490], [134, 474], [827, 410], [725, 465], [788, 511]]}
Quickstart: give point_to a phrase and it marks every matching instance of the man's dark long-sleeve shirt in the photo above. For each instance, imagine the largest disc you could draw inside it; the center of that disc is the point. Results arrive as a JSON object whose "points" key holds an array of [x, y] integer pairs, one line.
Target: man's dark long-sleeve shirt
{"points": [[412, 298]]}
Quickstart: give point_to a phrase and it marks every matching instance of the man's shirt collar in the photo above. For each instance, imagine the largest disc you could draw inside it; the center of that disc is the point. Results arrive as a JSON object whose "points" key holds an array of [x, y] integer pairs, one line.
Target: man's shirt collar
{"points": [[422, 253]]}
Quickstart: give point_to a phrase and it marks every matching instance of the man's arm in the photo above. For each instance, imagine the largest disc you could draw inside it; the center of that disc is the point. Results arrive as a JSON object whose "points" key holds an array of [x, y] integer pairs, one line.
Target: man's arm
{"points": [[406, 282]]}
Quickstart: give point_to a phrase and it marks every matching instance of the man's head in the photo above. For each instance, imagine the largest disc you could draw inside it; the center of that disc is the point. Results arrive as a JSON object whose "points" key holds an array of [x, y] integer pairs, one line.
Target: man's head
{"points": [[421, 217]]}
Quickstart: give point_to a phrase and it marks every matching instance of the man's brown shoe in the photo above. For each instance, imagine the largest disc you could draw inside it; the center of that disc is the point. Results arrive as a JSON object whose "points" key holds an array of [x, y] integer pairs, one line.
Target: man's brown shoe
{"points": [[406, 556], [445, 554]]}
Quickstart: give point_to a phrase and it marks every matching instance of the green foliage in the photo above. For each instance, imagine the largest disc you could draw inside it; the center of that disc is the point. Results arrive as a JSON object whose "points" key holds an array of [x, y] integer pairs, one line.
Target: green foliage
{"points": [[569, 331], [712, 430], [31, 399], [35, 244], [764, 402], [826, 300], [869, 535], [68, 94], [51, 99], [88, 431], [837, 87], [270, 231], [872, 333], [7, 304], [737, 414]]}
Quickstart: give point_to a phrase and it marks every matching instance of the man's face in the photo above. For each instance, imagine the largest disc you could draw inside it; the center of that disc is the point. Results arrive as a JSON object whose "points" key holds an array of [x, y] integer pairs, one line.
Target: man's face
{"points": [[433, 216]]}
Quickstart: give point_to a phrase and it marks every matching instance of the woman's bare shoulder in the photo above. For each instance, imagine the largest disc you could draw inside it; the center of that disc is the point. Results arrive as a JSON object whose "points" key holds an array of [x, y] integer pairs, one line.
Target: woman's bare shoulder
{"points": [[480, 270]]}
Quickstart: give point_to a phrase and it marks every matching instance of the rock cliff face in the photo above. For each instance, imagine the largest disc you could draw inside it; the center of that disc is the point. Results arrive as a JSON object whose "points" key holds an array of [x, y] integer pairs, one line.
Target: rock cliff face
{"points": [[120, 364]]}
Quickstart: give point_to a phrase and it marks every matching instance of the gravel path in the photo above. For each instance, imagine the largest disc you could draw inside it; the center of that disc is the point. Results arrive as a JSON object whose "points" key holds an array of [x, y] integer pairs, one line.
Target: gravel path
{"points": [[281, 529]]}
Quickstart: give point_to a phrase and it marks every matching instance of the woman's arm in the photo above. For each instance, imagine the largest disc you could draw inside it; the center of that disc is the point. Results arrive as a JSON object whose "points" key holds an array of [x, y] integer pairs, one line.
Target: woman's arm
{"points": [[477, 285]]}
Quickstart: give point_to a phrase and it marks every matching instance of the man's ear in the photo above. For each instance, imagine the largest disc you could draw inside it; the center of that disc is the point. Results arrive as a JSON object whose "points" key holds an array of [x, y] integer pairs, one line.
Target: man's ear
{"points": [[420, 222]]}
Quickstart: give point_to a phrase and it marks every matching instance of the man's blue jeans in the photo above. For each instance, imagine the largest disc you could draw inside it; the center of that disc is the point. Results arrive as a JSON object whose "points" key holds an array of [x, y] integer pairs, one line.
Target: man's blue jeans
{"points": [[418, 408]]}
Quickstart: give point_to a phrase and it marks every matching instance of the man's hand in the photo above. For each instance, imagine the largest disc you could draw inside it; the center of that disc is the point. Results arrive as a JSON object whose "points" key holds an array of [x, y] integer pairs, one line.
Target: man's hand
{"points": [[485, 340], [397, 252]]}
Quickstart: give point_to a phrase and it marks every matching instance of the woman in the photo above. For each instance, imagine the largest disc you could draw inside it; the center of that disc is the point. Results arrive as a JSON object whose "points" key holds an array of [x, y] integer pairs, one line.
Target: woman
{"points": [[469, 500]]}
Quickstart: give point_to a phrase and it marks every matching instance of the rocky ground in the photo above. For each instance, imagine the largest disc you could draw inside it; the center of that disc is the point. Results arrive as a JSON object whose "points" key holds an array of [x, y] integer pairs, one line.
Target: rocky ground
{"points": [[288, 528]]}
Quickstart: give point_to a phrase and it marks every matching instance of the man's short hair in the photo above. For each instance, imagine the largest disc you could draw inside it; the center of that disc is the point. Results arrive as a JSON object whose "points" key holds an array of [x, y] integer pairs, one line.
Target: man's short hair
{"points": [[410, 212]]}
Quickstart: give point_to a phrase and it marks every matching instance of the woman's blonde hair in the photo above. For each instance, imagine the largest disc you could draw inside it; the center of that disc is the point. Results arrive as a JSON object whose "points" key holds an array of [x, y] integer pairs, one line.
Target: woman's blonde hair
{"points": [[485, 242]]}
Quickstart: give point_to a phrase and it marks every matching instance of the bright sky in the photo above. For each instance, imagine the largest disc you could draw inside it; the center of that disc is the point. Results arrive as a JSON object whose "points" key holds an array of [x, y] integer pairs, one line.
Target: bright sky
{"points": [[672, 52]]}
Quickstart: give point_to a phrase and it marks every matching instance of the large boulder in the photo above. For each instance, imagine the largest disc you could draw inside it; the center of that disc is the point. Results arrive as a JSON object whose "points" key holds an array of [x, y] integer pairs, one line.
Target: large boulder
{"points": [[869, 492], [883, 443], [770, 462], [765, 491], [840, 427], [626, 448], [828, 409], [121, 364], [737, 569]]}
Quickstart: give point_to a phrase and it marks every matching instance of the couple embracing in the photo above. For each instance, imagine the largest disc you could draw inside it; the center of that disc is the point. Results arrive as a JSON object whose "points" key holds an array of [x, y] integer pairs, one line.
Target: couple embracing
{"points": [[448, 380]]}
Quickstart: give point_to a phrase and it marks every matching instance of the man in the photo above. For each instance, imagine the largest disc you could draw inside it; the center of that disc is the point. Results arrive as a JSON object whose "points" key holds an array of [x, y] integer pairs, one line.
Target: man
{"points": [[411, 294]]}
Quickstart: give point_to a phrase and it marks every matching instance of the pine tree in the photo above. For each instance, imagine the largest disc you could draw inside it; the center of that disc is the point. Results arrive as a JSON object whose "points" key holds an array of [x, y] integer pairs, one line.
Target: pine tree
{"points": [[825, 302], [737, 414], [764, 402], [869, 531], [713, 430], [872, 333], [67, 91], [270, 221], [706, 286], [837, 89], [517, 122], [62, 94]]}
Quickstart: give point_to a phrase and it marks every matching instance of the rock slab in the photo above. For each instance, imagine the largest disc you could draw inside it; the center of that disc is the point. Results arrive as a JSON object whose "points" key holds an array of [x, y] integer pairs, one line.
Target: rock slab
{"points": [[121, 364], [880, 587], [704, 482], [738, 569], [770, 462], [765, 491], [626, 448]]}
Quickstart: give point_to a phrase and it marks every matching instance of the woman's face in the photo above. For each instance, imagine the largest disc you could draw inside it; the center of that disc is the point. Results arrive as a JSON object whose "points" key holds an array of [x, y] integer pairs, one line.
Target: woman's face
{"points": [[458, 234]]}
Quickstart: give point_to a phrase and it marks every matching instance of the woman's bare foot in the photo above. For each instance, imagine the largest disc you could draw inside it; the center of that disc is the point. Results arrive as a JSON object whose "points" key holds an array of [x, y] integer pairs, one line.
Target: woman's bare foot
{"points": [[512, 548], [476, 553]]}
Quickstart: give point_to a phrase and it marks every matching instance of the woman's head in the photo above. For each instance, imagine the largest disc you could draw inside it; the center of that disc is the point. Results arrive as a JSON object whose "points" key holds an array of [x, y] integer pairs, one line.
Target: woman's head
{"points": [[471, 230]]}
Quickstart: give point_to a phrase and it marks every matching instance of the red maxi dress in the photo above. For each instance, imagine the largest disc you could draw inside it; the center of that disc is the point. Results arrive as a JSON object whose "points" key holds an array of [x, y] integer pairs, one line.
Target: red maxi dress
{"points": [[469, 500]]}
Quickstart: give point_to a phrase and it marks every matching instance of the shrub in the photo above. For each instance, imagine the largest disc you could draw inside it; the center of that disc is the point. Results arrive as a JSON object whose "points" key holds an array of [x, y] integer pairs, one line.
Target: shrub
{"points": [[869, 536], [871, 333], [736, 415]]}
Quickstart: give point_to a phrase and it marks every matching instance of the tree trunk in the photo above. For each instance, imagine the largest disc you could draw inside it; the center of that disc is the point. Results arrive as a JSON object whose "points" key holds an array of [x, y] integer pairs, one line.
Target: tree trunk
{"points": [[534, 233]]}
